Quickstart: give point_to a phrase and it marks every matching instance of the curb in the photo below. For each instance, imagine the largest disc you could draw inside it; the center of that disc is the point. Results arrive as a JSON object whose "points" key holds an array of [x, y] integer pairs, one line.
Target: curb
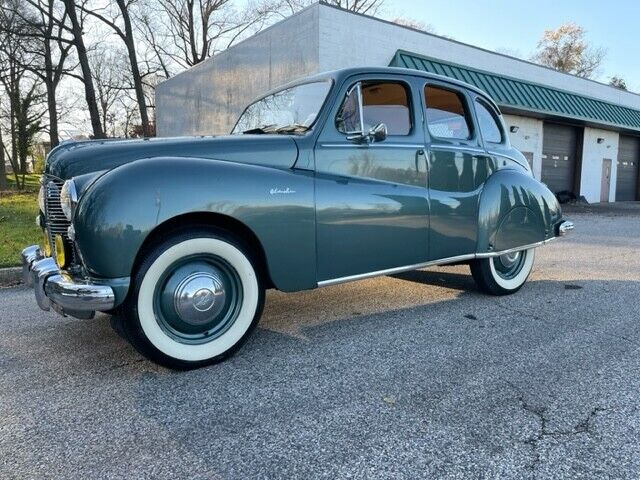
{"points": [[10, 276]]}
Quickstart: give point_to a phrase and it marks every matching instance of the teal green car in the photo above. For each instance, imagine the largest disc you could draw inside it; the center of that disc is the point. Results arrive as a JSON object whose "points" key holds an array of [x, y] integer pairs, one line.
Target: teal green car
{"points": [[339, 177]]}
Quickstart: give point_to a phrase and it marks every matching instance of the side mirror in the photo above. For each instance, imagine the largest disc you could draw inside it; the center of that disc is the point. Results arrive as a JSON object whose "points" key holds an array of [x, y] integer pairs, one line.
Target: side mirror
{"points": [[376, 134]]}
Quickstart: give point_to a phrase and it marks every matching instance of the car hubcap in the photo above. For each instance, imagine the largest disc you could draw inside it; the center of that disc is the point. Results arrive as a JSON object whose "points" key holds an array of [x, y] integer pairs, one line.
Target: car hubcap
{"points": [[509, 265], [197, 299]]}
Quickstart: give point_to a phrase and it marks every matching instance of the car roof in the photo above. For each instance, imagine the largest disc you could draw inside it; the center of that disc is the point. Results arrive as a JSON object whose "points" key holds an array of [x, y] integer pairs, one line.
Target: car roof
{"points": [[342, 74]]}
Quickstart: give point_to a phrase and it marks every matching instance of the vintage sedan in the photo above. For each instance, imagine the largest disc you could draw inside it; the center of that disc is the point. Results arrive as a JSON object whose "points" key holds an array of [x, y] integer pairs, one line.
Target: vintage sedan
{"points": [[334, 178]]}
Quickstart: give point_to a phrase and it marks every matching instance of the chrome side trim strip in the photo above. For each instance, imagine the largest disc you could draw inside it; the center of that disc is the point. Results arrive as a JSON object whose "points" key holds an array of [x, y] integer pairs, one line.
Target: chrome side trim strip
{"points": [[391, 271], [417, 266], [512, 250], [373, 145]]}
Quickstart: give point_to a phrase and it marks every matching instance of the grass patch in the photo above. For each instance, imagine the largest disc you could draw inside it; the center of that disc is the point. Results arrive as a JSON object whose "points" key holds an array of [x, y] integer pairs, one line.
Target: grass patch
{"points": [[31, 182], [18, 229]]}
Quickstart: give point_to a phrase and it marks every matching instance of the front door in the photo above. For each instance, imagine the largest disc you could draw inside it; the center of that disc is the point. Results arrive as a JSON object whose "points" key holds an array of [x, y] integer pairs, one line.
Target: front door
{"points": [[605, 186], [372, 210]]}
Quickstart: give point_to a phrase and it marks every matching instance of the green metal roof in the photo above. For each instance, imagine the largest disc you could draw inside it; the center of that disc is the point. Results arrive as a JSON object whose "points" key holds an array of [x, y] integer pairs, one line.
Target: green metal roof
{"points": [[528, 96]]}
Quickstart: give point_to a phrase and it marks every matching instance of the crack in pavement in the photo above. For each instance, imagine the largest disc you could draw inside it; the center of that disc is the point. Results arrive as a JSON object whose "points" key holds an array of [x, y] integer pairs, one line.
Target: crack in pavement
{"points": [[575, 325], [584, 426]]}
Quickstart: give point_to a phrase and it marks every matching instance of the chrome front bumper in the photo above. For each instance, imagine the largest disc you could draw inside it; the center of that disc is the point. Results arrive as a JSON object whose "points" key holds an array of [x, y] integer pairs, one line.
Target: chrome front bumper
{"points": [[55, 289]]}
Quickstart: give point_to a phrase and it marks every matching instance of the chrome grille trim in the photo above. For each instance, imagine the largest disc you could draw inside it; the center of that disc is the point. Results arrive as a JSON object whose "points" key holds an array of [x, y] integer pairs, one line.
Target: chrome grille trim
{"points": [[55, 221]]}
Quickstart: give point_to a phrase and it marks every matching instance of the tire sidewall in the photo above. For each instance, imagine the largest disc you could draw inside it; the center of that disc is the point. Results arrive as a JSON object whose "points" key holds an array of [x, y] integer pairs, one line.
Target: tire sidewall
{"points": [[150, 338], [515, 283]]}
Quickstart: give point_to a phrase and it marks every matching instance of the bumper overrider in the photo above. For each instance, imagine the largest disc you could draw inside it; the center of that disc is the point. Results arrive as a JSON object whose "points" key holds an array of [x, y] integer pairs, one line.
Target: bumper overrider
{"points": [[55, 289]]}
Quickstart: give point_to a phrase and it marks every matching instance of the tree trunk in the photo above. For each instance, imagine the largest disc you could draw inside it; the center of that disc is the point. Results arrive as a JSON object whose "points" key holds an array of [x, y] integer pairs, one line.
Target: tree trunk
{"points": [[52, 106], [135, 71], [90, 93], [3, 167]]}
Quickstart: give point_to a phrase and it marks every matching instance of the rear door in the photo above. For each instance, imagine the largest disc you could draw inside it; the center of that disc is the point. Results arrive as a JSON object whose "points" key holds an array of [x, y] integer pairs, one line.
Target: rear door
{"points": [[458, 166], [372, 210]]}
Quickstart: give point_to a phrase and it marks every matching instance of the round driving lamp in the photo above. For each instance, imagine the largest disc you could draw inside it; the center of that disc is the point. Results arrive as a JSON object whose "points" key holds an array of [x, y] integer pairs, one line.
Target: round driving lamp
{"points": [[61, 257], [68, 198], [46, 246]]}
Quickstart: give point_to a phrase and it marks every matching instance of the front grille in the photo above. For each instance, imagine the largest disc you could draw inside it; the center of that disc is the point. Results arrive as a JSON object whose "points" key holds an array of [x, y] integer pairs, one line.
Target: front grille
{"points": [[55, 221]]}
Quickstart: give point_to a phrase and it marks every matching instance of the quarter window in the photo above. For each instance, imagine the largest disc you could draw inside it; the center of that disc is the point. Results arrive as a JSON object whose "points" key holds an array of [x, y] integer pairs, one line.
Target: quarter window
{"points": [[382, 102], [447, 116], [491, 131]]}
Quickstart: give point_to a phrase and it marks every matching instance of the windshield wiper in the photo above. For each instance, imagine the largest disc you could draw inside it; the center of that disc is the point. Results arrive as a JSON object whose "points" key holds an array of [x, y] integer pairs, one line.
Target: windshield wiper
{"points": [[274, 128], [262, 129], [293, 128]]}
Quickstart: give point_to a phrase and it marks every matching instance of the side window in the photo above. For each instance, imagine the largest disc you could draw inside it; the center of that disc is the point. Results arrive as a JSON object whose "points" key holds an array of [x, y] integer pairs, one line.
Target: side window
{"points": [[447, 116], [382, 102], [348, 119], [489, 127]]}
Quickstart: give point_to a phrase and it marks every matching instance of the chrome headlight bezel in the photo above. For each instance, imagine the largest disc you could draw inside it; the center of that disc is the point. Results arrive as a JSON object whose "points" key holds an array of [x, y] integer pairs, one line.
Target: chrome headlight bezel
{"points": [[68, 199]]}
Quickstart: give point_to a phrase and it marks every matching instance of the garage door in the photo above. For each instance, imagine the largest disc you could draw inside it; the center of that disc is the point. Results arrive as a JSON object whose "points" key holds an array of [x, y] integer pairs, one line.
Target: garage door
{"points": [[559, 151], [628, 160]]}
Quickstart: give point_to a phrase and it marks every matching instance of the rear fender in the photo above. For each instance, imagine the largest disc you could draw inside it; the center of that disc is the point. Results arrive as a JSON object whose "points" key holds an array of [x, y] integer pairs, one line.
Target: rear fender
{"points": [[515, 210]]}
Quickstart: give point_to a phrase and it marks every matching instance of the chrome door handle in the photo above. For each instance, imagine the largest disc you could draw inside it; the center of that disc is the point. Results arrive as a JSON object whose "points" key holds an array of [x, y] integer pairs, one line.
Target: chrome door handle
{"points": [[419, 154]]}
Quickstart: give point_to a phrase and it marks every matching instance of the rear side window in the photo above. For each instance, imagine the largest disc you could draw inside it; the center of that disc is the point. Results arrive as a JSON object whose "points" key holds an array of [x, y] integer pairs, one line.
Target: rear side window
{"points": [[382, 102], [447, 116], [488, 123]]}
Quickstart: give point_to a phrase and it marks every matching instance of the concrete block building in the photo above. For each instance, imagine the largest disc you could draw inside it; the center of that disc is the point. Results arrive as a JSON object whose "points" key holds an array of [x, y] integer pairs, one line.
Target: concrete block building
{"points": [[579, 135]]}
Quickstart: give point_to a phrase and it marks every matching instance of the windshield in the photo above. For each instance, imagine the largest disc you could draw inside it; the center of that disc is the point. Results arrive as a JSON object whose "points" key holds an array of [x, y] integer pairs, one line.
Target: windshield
{"points": [[288, 111]]}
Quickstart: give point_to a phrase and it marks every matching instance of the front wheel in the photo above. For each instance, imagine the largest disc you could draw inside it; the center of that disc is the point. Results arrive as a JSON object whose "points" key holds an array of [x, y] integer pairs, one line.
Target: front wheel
{"points": [[504, 274], [196, 298]]}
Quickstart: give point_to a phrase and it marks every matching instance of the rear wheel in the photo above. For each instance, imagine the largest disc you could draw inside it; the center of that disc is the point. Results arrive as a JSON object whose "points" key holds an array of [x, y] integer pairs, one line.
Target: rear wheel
{"points": [[195, 299], [504, 274]]}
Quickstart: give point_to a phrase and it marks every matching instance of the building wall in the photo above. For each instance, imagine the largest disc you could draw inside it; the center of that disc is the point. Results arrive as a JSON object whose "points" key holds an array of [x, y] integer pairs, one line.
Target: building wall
{"points": [[592, 155], [348, 40], [208, 98], [528, 139]]}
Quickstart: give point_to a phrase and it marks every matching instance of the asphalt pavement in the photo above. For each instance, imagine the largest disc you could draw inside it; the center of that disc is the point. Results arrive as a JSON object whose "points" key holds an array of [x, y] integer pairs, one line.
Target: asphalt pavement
{"points": [[412, 376]]}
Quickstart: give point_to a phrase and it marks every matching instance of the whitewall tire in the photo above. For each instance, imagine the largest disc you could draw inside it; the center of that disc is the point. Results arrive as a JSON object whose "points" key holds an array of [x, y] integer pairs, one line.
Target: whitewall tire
{"points": [[504, 274], [195, 299]]}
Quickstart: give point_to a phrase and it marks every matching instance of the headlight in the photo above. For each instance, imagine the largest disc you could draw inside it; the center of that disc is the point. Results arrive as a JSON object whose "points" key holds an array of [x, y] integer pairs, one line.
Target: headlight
{"points": [[41, 198], [68, 198]]}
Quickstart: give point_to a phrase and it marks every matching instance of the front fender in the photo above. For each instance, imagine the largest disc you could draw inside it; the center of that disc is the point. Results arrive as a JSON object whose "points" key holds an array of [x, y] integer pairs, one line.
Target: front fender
{"points": [[515, 210], [119, 210]]}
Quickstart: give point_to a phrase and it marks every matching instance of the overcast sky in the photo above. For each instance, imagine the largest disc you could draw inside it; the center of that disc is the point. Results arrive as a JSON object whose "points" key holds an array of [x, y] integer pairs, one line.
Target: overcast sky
{"points": [[517, 26]]}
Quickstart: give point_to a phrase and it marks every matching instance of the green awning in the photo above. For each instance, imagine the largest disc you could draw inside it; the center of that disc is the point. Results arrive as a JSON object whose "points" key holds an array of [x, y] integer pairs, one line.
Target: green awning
{"points": [[527, 96]]}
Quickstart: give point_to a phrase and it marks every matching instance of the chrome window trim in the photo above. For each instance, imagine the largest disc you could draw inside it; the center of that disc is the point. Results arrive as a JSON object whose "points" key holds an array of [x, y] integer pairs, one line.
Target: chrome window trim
{"points": [[417, 266], [456, 147]]}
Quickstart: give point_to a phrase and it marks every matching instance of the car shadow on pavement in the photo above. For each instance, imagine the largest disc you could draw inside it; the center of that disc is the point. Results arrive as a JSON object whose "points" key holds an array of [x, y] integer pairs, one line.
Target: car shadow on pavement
{"points": [[440, 278]]}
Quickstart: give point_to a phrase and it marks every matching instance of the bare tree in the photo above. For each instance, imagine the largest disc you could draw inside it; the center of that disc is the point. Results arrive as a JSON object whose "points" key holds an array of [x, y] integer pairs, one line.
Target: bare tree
{"points": [[618, 82], [47, 22], [366, 7], [23, 97], [3, 164], [188, 31], [120, 22], [81, 49], [415, 24], [109, 73], [567, 50]]}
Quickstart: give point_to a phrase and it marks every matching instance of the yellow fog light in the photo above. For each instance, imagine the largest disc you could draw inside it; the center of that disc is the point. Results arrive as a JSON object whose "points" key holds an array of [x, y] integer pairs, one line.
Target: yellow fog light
{"points": [[60, 254], [46, 246]]}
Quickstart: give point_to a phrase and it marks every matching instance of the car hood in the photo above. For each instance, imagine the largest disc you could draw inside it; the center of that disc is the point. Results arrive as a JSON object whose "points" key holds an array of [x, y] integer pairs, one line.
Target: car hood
{"points": [[76, 158]]}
